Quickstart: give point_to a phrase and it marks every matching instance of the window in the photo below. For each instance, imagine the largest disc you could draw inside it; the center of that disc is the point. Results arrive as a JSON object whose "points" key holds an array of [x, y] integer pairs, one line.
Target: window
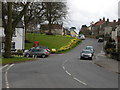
{"points": [[3, 45], [13, 45], [14, 33]]}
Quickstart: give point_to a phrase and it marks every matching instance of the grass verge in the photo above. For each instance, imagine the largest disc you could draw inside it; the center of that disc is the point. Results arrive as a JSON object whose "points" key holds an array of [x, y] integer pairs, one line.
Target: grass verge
{"points": [[14, 59]]}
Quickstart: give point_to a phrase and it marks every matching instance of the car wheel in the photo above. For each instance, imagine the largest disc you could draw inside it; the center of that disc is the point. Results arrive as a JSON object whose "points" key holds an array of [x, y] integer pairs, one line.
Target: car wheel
{"points": [[36, 56], [81, 58], [90, 58], [43, 55], [27, 55]]}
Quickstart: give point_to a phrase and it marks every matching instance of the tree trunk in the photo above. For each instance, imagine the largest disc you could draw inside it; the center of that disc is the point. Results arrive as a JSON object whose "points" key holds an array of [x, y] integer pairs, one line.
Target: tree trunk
{"points": [[8, 33], [50, 28], [50, 8], [26, 31]]}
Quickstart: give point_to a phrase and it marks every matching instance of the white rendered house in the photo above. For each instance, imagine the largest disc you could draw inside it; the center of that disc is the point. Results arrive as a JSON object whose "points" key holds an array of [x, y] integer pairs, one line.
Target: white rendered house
{"points": [[18, 39]]}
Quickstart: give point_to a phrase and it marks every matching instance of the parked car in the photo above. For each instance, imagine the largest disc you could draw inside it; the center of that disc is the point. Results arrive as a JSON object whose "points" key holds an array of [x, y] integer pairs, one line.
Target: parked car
{"points": [[44, 47], [86, 54], [100, 40], [82, 37], [37, 52], [90, 48]]}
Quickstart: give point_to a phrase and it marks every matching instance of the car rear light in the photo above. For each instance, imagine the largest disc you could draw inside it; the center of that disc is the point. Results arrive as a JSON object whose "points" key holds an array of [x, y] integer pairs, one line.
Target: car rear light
{"points": [[47, 49], [47, 53]]}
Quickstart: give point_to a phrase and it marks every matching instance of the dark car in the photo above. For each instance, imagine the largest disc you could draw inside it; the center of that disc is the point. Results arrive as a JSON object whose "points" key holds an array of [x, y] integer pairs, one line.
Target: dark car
{"points": [[100, 40], [86, 54], [37, 52]]}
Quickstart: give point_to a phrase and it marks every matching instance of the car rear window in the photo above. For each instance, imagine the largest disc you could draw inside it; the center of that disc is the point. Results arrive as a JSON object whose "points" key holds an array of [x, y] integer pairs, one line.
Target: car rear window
{"points": [[86, 51], [37, 50]]}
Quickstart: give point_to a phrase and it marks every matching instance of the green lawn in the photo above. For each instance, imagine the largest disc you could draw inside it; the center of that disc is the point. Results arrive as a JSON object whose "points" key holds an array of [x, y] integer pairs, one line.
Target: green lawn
{"points": [[51, 41], [14, 60]]}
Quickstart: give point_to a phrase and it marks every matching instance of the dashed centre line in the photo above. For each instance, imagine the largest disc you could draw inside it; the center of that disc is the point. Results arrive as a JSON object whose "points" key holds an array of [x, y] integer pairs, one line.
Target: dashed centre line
{"points": [[71, 74], [79, 81], [68, 73]]}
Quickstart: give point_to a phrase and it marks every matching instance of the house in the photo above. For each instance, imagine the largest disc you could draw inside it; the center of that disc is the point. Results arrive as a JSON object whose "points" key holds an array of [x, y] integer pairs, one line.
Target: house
{"points": [[116, 36], [85, 30], [57, 29], [66, 31], [107, 30], [103, 27], [73, 33], [17, 39], [98, 27], [32, 27]]}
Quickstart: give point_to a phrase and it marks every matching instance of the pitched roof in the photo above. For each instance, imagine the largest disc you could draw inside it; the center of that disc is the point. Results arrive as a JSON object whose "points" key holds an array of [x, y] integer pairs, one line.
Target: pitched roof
{"points": [[99, 23], [19, 25]]}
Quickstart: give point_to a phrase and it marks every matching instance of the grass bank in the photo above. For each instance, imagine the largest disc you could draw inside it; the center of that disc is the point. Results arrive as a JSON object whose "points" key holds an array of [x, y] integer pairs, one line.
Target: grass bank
{"points": [[51, 41]]}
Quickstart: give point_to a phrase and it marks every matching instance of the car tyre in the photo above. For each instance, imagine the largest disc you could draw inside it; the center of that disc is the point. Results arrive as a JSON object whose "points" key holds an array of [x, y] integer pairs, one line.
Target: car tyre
{"points": [[81, 58], [36, 56], [27, 55], [90, 58], [43, 55]]}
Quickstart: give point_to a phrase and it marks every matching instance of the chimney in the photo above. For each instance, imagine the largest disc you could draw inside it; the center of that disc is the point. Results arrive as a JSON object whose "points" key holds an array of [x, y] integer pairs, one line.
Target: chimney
{"points": [[107, 20], [100, 19], [114, 21], [104, 19]]}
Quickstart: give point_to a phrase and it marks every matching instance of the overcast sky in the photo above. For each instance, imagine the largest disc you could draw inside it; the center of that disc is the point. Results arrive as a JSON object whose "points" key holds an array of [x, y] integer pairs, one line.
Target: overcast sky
{"points": [[83, 12]]}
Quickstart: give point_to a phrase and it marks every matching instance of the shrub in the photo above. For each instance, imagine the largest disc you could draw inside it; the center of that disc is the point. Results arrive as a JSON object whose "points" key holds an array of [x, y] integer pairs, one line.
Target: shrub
{"points": [[70, 45], [110, 50]]}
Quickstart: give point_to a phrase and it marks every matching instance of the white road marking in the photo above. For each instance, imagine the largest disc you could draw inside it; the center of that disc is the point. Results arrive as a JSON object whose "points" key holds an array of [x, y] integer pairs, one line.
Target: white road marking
{"points": [[68, 73], [6, 79], [3, 67], [71, 74], [79, 81], [63, 67]]}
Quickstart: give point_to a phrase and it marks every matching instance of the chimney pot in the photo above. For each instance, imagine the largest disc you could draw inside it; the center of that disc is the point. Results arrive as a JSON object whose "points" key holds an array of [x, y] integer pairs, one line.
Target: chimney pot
{"points": [[100, 19], [107, 20], [114, 21], [103, 18]]}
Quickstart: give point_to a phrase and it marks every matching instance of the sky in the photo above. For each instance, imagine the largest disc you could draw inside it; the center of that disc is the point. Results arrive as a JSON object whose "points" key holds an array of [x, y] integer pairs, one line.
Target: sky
{"points": [[83, 12]]}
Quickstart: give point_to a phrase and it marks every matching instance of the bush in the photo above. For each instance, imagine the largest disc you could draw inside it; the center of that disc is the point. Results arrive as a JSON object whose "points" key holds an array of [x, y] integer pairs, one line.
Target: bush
{"points": [[19, 53], [110, 50], [114, 55], [70, 45]]}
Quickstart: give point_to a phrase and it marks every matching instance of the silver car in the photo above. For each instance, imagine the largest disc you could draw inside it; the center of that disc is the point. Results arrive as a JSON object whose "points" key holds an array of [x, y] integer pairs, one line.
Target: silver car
{"points": [[86, 54], [37, 53], [90, 48]]}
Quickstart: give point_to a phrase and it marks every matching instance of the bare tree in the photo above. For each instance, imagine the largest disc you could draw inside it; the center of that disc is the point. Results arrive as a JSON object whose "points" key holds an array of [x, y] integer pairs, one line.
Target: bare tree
{"points": [[54, 12], [9, 24]]}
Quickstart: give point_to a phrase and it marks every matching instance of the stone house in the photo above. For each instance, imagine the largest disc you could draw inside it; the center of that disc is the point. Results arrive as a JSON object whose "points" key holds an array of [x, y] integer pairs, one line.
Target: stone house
{"points": [[57, 29]]}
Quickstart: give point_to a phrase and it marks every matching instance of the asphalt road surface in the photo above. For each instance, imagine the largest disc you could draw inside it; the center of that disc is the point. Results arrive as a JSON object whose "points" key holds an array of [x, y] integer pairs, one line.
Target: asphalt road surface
{"points": [[61, 71]]}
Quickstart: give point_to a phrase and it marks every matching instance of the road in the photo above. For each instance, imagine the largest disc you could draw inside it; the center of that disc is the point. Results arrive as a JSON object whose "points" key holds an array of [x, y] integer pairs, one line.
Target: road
{"points": [[61, 71]]}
